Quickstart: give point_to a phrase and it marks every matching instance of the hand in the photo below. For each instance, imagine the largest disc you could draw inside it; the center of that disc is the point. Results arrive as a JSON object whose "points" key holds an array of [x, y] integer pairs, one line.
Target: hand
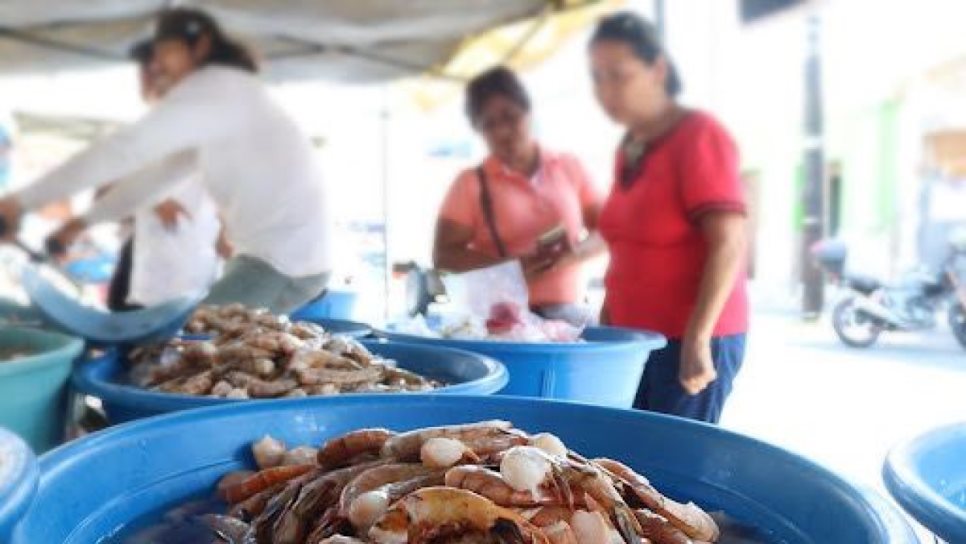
{"points": [[10, 213], [168, 212], [58, 242], [224, 246], [697, 365]]}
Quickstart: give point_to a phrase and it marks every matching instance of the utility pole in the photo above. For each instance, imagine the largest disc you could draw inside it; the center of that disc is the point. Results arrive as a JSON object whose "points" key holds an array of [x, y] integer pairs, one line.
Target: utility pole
{"points": [[813, 194]]}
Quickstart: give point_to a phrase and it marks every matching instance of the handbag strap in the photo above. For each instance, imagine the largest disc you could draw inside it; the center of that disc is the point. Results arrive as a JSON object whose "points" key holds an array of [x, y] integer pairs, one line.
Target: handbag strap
{"points": [[486, 205]]}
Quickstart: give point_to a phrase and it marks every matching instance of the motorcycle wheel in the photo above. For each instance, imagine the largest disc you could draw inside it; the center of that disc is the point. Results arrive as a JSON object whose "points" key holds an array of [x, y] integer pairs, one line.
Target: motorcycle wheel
{"points": [[957, 322], [854, 328]]}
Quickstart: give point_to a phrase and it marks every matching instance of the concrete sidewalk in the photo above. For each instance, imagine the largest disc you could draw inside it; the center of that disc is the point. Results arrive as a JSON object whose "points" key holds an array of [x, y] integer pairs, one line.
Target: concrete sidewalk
{"points": [[844, 408]]}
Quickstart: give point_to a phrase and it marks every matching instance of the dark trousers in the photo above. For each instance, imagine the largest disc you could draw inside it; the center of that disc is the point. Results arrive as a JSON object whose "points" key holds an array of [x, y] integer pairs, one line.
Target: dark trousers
{"points": [[120, 286], [660, 390]]}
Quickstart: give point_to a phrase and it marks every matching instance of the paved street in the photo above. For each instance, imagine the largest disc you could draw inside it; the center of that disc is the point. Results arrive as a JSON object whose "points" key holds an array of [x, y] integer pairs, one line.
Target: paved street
{"points": [[844, 408]]}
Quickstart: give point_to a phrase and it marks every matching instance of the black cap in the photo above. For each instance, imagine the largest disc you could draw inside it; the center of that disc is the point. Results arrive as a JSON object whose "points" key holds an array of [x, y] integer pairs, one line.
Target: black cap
{"points": [[183, 23], [141, 51]]}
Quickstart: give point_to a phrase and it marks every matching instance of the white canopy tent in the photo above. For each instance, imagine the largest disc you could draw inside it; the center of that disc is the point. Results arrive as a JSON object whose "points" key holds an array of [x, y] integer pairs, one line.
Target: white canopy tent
{"points": [[345, 40]]}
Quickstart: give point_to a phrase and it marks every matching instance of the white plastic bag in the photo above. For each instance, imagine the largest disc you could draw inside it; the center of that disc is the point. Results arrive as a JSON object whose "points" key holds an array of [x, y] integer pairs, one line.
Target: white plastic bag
{"points": [[477, 291]]}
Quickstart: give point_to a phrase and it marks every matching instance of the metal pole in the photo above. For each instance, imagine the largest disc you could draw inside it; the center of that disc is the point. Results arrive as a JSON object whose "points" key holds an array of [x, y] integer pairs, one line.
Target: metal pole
{"points": [[384, 148], [813, 195], [660, 21]]}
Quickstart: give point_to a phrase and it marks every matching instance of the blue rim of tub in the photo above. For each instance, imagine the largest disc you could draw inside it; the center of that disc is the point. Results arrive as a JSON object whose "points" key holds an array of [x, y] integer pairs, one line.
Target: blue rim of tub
{"points": [[880, 516], [651, 340], [84, 380], [72, 347], [19, 477], [904, 478], [344, 327]]}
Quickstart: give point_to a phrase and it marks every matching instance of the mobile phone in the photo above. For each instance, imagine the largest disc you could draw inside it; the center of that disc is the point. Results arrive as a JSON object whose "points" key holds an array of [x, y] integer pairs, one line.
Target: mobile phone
{"points": [[552, 237]]}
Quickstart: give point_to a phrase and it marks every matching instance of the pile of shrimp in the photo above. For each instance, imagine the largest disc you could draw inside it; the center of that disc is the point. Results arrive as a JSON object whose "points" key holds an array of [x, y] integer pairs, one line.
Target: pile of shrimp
{"points": [[480, 482], [259, 355], [232, 320]]}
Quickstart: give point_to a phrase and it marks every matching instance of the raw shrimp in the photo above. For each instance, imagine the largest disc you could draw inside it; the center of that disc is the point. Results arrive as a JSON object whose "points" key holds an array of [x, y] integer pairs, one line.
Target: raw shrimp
{"points": [[570, 477], [268, 452], [445, 452], [316, 376], [491, 485], [229, 529], [341, 450], [549, 443], [433, 513], [255, 505], [365, 509], [264, 479], [406, 446], [660, 530], [232, 479], [302, 455], [691, 519], [315, 496]]}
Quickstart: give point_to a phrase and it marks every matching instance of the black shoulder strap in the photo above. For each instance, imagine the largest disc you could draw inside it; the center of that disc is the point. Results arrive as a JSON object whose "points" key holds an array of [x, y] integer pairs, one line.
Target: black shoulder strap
{"points": [[486, 205]]}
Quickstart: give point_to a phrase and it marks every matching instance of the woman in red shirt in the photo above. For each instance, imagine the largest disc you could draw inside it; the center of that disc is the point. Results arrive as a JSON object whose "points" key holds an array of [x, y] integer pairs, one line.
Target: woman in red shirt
{"points": [[675, 225]]}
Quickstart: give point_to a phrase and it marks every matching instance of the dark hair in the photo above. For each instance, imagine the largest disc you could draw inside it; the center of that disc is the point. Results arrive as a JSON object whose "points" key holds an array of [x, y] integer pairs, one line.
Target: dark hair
{"points": [[498, 81], [642, 36], [141, 52], [189, 25]]}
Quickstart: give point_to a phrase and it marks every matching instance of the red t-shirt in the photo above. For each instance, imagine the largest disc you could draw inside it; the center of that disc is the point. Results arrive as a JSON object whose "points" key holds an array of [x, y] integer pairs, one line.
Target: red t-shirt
{"points": [[656, 245]]}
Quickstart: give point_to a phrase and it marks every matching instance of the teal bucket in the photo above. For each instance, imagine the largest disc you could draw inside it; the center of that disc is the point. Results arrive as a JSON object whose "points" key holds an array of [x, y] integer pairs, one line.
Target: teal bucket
{"points": [[33, 389]]}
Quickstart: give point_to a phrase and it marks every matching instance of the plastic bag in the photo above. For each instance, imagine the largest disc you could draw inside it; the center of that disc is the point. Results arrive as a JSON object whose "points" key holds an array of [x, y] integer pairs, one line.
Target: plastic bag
{"points": [[477, 291], [493, 304]]}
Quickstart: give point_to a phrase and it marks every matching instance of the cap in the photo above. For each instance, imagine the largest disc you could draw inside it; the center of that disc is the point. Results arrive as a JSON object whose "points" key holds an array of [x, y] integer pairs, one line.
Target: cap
{"points": [[183, 23]]}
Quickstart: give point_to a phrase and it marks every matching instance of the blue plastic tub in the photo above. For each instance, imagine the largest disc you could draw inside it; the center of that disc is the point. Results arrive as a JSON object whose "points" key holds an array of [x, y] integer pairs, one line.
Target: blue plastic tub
{"points": [[927, 476], [343, 327], [604, 370], [33, 389], [157, 463], [103, 377], [334, 304], [15, 314], [19, 474]]}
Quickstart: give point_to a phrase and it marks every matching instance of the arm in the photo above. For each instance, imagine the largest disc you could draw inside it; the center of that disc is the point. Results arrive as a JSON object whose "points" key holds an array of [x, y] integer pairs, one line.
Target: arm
{"points": [[146, 186], [190, 116], [452, 253], [122, 198], [592, 203], [451, 249], [724, 233]]}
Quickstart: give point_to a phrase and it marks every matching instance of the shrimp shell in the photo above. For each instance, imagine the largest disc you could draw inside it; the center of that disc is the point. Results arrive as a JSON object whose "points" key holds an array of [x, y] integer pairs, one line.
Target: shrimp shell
{"points": [[339, 451]]}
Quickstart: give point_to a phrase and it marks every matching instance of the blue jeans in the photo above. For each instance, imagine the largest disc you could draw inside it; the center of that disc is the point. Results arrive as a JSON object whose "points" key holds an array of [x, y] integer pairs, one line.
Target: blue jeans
{"points": [[660, 390]]}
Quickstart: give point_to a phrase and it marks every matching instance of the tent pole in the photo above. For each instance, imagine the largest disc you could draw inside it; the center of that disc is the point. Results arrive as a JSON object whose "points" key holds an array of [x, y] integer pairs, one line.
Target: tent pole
{"points": [[660, 20], [384, 150]]}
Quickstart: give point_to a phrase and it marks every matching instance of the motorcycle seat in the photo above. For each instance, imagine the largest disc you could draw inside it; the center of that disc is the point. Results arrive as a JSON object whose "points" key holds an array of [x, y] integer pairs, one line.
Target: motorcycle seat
{"points": [[863, 284]]}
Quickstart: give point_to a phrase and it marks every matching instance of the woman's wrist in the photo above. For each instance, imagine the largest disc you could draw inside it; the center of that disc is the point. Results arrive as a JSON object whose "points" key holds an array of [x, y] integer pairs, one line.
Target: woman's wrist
{"points": [[698, 332]]}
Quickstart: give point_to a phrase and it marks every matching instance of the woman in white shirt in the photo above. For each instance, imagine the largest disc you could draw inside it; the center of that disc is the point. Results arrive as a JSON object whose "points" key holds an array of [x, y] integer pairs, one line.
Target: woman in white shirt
{"points": [[216, 119], [172, 250]]}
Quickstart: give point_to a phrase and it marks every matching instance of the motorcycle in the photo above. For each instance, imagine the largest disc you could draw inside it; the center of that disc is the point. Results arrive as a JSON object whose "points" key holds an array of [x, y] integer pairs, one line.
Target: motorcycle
{"points": [[873, 306]]}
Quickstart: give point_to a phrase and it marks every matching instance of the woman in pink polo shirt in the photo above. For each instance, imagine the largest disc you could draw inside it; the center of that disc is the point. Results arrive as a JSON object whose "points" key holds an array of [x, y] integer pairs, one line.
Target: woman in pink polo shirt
{"points": [[505, 208]]}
